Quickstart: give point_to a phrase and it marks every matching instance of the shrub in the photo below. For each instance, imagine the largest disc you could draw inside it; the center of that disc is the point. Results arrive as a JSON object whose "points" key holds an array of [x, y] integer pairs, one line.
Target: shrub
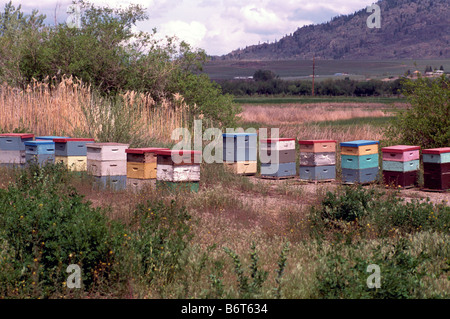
{"points": [[46, 226]]}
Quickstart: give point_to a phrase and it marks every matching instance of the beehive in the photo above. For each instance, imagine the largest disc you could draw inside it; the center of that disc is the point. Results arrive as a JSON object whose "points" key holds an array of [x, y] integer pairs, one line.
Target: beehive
{"points": [[317, 160], [141, 167], [277, 156], [108, 160], [436, 168], [239, 148], [72, 152], [12, 149], [14, 141], [40, 152], [177, 166], [359, 161]]}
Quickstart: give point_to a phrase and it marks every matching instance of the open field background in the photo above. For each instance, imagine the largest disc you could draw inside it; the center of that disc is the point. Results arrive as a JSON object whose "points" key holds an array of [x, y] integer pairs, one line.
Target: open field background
{"points": [[302, 69]]}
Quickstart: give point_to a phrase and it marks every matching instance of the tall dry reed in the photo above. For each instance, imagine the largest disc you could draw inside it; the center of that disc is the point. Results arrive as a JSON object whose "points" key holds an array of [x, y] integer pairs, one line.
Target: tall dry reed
{"points": [[62, 109]]}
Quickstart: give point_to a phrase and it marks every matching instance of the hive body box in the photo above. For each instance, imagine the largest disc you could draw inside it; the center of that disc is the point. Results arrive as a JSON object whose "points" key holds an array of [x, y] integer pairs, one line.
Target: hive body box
{"points": [[14, 141], [436, 168], [178, 169], [240, 153], [108, 160], [12, 149], [277, 156], [72, 152], [141, 167], [317, 160], [359, 161], [40, 152]]}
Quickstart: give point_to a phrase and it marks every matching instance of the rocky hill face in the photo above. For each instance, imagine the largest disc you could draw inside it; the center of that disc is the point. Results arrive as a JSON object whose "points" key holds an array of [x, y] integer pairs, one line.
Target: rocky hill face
{"points": [[417, 29]]}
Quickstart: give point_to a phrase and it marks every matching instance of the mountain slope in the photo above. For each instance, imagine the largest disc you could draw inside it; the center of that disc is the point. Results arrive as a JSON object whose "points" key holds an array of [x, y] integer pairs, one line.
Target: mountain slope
{"points": [[409, 29]]}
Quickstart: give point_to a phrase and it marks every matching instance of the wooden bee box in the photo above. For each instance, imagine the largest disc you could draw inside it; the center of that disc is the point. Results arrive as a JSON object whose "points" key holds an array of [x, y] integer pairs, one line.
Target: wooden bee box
{"points": [[137, 170], [359, 162], [277, 144], [436, 155], [402, 179], [178, 157], [107, 152], [14, 141], [107, 168], [401, 153], [136, 184], [74, 163], [396, 166], [242, 168], [12, 157], [71, 146], [317, 146], [359, 147], [184, 173], [143, 155], [317, 159]]}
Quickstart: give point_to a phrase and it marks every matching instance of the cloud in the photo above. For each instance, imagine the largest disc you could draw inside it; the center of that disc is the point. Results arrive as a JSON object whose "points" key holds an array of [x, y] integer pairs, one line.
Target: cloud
{"points": [[191, 32]]}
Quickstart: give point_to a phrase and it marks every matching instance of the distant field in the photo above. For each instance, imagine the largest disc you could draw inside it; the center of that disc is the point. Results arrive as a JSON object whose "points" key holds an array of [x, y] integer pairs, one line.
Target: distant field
{"points": [[319, 99], [289, 69]]}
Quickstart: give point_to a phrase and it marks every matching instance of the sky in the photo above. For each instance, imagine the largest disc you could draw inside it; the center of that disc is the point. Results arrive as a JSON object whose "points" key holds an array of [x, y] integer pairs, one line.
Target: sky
{"points": [[217, 26]]}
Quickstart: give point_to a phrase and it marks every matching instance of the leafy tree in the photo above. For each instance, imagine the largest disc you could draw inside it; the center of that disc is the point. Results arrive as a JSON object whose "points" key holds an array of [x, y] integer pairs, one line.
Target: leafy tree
{"points": [[264, 75], [427, 121], [107, 53]]}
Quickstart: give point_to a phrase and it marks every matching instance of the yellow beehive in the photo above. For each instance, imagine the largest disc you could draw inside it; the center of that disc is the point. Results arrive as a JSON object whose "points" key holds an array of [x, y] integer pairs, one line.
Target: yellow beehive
{"points": [[360, 150], [249, 167], [74, 163], [141, 170]]}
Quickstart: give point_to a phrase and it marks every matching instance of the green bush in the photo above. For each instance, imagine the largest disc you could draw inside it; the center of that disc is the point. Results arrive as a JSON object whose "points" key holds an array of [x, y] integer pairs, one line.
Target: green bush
{"points": [[376, 213], [44, 227], [344, 272]]}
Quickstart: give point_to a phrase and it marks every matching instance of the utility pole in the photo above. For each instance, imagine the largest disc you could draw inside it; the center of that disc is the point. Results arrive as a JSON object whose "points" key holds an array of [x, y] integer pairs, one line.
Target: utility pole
{"points": [[314, 69]]}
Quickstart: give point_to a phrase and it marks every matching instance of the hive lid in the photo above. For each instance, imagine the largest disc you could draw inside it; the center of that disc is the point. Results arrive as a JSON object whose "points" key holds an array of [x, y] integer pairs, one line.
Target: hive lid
{"points": [[238, 134], [399, 148], [42, 142], [274, 140], [71, 139], [21, 135], [308, 142], [143, 150], [438, 150], [359, 143], [50, 137], [99, 145], [176, 152]]}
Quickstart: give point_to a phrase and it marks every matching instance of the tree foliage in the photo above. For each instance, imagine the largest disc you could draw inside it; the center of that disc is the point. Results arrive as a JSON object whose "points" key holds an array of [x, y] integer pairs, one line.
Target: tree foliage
{"points": [[108, 53], [427, 121]]}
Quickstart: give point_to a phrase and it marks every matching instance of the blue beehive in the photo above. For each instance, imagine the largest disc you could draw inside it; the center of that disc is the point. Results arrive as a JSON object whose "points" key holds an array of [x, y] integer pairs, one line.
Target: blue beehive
{"points": [[279, 169], [71, 146], [359, 161], [239, 147], [39, 147], [14, 141], [317, 173], [40, 152]]}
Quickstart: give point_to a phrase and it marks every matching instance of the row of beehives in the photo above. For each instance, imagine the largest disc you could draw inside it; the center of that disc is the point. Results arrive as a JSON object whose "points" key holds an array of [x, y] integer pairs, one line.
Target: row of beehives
{"points": [[112, 165], [117, 165]]}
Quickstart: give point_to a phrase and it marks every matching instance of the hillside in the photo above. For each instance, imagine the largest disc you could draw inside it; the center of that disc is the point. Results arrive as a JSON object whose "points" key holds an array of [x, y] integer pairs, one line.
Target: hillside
{"points": [[417, 29]]}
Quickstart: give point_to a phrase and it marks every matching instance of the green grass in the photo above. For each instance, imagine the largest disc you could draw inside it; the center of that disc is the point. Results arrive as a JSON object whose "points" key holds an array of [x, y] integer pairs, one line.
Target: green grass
{"points": [[305, 100]]}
